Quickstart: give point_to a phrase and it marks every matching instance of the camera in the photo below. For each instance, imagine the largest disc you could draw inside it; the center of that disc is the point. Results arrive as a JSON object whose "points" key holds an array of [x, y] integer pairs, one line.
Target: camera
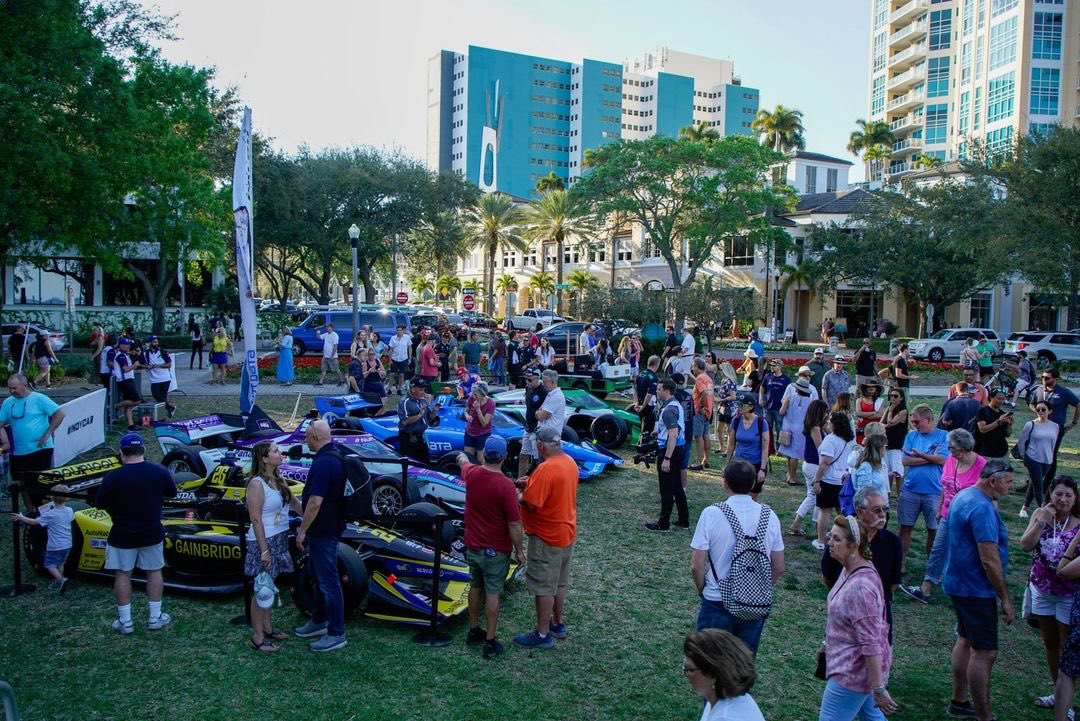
{"points": [[647, 451]]}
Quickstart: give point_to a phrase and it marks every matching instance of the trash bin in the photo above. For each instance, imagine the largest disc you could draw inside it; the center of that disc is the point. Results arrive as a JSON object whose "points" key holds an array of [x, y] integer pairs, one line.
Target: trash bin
{"points": [[894, 345], [834, 343]]}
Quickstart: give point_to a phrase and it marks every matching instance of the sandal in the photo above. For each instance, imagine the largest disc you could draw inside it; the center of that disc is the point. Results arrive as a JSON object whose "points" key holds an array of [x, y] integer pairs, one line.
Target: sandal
{"points": [[1046, 701], [266, 646], [277, 634], [796, 532]]}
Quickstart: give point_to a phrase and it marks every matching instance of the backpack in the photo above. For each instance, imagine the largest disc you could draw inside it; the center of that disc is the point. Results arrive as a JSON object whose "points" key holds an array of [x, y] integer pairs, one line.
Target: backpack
{"points": [[747, 591], [359, 499]]}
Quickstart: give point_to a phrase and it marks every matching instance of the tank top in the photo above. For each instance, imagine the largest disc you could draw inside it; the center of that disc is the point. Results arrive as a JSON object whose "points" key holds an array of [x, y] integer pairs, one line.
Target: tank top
{"points": [[810, 451], [865, 407], [105, 359], [275, 516], [895, 435]]}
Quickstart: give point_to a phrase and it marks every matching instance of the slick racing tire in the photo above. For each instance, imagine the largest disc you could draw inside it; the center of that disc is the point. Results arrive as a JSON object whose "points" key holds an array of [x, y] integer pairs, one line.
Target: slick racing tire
{"points": [[386, 495], [609, 431], [569, 435], [184, 460], [424, 509], [351, 570]]}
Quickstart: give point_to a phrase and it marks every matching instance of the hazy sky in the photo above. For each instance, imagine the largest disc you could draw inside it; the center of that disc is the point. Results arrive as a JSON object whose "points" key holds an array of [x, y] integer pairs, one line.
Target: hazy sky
{"points": [[345, 72]]}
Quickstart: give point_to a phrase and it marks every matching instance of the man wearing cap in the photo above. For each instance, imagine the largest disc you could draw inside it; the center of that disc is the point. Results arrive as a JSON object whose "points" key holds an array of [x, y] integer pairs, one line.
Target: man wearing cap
{"points": [[818, 368], [466, 381], [552, 412], [836, 381], [124, 373], [549, 514], [34, 418], [671, 441], [414, 411], [492, 532], [535, 393], [960, 412], [133, 496], [774, 385], [865, 359], [645, 394], [158, 361]]}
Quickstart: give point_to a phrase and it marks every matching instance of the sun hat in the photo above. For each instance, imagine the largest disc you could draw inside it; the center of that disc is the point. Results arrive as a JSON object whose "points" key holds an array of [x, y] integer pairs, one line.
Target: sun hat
{"points": [[265, 591], [839, 358], [802, 385], [804, 369], [750, 353]]}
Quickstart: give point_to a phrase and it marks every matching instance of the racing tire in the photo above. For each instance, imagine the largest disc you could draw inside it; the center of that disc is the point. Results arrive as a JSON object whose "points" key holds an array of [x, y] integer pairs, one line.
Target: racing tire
{"points": [[351, 570], [386, 496], [425, 509], [513, 453], [448, 464], [184, 460], [569, 435], [936, 355], [1044, 360], [580, 386], [299, 348], [347, 422], [609, 431], [184, 477]]}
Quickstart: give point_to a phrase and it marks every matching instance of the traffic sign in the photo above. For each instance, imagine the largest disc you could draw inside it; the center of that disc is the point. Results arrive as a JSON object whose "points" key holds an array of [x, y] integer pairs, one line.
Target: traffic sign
{"points": [[468, 302], [563, 286], [402, 297]]}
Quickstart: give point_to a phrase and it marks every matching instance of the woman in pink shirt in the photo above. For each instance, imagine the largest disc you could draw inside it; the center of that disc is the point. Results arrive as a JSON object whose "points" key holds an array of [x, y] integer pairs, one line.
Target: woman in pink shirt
{"points": [[857, 652], [479, 413]]}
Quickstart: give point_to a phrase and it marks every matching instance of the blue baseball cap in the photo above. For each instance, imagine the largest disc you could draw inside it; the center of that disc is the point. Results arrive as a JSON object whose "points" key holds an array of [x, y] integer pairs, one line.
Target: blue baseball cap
{"points": [[131, 440], [495, 446], [151, 339], [124, 340]]}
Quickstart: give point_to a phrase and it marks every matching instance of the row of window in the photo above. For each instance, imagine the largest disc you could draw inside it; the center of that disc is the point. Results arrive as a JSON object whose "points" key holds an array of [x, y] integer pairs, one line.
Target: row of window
{"points": [[550, 116], [548, 163], [638, 128], [997, 7], [545, 68], [549, 147], [607, 88], [611, 73], [638, 113], [1046, 36], [940, 29], [832, 176], [540, 130], [704, 109], [548, 100], [554, 84], [639, 83], [1003, 43], [638, 98]]}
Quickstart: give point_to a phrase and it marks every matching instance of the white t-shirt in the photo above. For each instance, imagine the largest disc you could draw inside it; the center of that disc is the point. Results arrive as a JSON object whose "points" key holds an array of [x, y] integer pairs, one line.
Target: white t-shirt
{"points": [[740, 708], [275, 515], [120, 361], [688, 345], [154, 358], [399, 347], [555, 404], [838, 449], [713, 534], [57, 520], [329, 344]]}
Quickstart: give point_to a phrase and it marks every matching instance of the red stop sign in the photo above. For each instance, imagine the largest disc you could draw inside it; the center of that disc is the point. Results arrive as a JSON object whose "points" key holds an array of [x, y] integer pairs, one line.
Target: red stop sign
{"points": [[468, 302], [402, 297]]}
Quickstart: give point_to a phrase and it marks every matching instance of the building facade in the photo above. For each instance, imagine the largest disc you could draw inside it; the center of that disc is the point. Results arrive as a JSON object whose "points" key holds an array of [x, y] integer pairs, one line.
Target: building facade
{"points": [[504, 120], [946, 72]]}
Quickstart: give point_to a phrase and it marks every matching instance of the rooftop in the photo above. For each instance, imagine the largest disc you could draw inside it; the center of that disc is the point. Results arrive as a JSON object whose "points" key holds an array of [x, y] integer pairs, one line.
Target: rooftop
{"points": [[841, 202], [820, 157]]}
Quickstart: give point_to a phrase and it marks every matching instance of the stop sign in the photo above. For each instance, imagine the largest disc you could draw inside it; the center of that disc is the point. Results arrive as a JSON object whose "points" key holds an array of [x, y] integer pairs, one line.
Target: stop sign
{"points": [[468, 302], [402, 297]]}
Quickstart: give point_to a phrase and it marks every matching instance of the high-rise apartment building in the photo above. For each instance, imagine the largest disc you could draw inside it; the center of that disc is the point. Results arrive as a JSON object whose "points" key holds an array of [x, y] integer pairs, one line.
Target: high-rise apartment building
{"points": [[946, 72], [504, 120]]}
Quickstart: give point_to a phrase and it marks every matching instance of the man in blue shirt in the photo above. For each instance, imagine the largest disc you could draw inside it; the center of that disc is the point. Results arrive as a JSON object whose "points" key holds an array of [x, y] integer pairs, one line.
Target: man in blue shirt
{"points": [[1059, 398], [33, 418], [925, 450], [671, 440], [975, 570], [773, 385]]}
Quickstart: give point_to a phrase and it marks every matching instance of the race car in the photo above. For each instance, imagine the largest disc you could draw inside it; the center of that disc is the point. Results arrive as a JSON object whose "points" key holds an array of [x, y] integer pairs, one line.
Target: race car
{"points": [[447, 439], [589, 416]]}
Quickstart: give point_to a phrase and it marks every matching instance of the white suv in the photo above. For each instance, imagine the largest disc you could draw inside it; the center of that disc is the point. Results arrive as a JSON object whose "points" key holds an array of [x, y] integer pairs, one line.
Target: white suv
{"points": [[948, 342], [1044, 348]]}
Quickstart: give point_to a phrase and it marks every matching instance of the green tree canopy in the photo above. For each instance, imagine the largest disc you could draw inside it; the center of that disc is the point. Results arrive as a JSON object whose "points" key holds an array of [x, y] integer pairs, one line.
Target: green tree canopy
{"points": [[494, 223], [781, 130], [557, 216]]}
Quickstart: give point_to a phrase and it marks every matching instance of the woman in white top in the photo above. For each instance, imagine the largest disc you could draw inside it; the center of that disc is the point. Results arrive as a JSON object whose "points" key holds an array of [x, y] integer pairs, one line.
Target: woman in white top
{"points": [[829, 477], [720, 669], [545, 354], [268, 503]]}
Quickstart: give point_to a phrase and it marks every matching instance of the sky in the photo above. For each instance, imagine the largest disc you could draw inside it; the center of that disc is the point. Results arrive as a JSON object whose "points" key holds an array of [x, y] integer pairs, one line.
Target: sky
{"points": [[337, 73]]}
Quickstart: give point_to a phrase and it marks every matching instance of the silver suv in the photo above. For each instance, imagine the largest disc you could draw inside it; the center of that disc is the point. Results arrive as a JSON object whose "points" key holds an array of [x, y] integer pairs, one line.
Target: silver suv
{"points": [[1043, 347], [948, 342]]}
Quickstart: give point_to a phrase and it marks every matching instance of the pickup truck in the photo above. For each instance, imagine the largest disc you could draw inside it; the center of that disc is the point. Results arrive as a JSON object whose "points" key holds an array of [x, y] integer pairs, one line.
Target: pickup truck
{"points": [[533, 319]]}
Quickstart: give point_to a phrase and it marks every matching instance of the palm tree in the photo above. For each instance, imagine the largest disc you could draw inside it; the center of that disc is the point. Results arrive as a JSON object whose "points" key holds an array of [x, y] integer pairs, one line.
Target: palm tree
{"points": [[494, 222], [439, 241], [877, 156], [782, 129], [798, 276], [504, 286], [554, 217], [581, 281], [448, 284], [923, 161], [550, 182], [541, 284], [699, 132], [869, 135], [421, 285]]}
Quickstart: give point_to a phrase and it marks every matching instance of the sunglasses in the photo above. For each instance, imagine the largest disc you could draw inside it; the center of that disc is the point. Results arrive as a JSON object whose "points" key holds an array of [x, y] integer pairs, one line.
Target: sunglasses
{"points": [[1048, 378], [893, 395]]}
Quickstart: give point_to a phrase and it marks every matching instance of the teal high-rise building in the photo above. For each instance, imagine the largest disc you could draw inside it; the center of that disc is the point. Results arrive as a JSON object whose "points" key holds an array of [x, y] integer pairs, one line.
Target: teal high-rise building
{"points": [[504, 120]]}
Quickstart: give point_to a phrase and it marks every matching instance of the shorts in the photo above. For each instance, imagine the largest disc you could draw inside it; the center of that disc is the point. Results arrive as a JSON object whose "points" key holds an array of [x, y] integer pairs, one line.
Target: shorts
{"points": [[548, 567], [476, 442], [528, 445], [43, 363], [910, 505], [330, 365], [829, 496], [127, 392], [401, 367], [147, 558], [57, 558], [1021, 384], [894, 462], [1042, 604], [701, 426], [976, 621], [219, 359], [487, 572]]}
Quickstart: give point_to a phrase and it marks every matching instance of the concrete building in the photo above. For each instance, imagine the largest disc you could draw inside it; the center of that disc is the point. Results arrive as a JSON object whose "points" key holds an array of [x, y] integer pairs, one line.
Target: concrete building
{"points": [[946, 72]]}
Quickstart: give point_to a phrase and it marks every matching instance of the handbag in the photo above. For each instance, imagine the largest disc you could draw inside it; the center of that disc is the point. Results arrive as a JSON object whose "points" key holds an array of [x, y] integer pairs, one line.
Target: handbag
{"points": [[785, 438], [819, 671], [1015, 450]]}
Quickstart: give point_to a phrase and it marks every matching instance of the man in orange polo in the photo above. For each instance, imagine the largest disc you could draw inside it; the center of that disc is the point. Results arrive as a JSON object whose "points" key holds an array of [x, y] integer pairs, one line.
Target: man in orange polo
{"points": [[549, 514], [703, 413]]}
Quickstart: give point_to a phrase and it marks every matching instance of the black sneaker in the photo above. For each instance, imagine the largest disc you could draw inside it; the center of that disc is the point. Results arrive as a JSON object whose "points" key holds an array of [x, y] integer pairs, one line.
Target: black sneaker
{"points": [[684, 526], [657, 527], [475, 636], [492, 648], [961, 710]]}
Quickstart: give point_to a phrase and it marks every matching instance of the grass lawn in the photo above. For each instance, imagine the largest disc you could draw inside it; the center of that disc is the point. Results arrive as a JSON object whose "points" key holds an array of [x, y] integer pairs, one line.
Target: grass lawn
{"points": [[630, 602]]}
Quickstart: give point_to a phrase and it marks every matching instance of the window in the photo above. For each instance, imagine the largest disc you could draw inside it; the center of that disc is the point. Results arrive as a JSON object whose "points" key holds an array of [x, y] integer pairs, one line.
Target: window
{"points": [[969, 17], [649, 249], [881, 13], [880, 50], [1044, 91], [877, 102], [623, 247], [937, 123], [1003, 43], [977, 112], [597, 255], [831, 177], [1046, 37], [937, 77], [940, 29], [997, 7], [999, 141], [999, 97], [779, 174], [811, 178], [31, 284], [859, 308], [1041, 129], [738, 251], [965, 64], [965, 113], [980, 51], [980, 311]]}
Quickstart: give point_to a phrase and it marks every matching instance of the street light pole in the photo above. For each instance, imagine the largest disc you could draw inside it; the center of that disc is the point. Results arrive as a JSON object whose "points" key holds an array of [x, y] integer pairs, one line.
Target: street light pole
{"points": [[393, 270], [354, 239]]}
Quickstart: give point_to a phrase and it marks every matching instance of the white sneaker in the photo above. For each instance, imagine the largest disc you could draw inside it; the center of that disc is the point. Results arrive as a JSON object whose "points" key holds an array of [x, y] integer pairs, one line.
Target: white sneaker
{"points": [[123, 628], [156, 624], [817, 544], [1023, 513]]}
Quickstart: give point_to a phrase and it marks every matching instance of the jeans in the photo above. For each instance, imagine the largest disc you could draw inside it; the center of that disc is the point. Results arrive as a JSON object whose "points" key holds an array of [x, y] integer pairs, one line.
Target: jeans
{"points": [[473, 368], [712, 614], [935, 565], [671, 491], [840, 704], [329, 600], [1038, 473], [497, 366]]}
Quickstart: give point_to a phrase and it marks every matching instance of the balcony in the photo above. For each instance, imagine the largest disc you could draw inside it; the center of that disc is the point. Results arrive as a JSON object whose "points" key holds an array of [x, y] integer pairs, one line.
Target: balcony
{"points": [[899, 169], [906, 11], [905, 58], [905, 36], [905, 80], [907, 101], [902, 126], [907, 145]]}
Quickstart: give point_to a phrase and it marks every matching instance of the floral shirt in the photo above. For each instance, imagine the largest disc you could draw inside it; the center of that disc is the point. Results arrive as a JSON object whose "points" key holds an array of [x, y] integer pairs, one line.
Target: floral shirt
{"points": [[856, 628], [726, 388], [1052, 544]]}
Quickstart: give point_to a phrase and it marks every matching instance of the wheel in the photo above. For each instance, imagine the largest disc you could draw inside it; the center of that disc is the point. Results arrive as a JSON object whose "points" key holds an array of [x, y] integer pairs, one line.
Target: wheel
{"points": [[386, 496], [936, 355], [1044, 359], [569, 435], [299, 348], [448, 464], [423, 509], [183, 478], [609, 431], [351, 570], [184, 460], [580, 386]]}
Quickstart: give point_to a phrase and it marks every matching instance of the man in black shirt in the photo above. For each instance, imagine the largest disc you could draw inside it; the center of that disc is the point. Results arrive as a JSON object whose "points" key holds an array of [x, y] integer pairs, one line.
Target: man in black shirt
{"points": [[535, 393], [901, 369], [413, 414], [645, 395], [993, 427], [865, 358]]}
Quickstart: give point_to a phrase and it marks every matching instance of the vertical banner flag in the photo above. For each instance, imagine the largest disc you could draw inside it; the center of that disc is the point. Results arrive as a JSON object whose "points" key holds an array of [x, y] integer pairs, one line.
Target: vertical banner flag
{"points": [[245, 238]]}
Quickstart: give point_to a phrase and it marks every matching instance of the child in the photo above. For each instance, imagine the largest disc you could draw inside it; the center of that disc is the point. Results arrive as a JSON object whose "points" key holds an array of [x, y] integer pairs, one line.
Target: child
{"points": [[56, 520]]}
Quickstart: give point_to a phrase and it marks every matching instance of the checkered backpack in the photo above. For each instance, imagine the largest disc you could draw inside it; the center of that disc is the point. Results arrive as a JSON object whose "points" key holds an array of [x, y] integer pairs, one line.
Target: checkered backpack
{"points": [[747, 591]]}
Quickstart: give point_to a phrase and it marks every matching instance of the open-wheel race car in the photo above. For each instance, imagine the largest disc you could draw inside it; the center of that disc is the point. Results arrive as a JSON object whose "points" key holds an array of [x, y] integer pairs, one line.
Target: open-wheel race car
{"points": [[591, 418]]}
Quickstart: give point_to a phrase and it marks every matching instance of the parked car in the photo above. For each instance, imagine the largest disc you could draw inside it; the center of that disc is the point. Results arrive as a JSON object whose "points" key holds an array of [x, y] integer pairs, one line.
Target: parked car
{"points": [[477, 319], [305, 336], [948, 342], [1044, 348], [534, 319], [272, 305], [57, 340]]}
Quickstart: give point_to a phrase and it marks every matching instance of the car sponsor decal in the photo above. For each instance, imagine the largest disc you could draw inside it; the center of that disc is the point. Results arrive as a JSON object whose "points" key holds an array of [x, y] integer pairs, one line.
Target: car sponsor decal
{"points": [[83, 470], [99, 543], [200, 549]]}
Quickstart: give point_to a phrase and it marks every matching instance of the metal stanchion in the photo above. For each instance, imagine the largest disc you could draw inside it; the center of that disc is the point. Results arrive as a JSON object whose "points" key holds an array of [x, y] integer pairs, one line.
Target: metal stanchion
{"points": [[243, 619], [432, 636], [18, 588]]}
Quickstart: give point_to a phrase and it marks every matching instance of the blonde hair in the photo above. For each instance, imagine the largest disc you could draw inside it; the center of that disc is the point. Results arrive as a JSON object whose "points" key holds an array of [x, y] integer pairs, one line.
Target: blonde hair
{"points": [[60, 488]]}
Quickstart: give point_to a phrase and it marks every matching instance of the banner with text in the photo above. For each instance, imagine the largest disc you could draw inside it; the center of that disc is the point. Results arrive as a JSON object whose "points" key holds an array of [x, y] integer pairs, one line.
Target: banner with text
{"points": [[83, 427], [245, 268]]}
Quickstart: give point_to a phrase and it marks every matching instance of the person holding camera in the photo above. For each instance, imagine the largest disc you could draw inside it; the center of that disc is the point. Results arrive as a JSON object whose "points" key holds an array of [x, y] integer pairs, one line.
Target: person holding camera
{"points": [[671, 445], [865, 364], [415, 414]]}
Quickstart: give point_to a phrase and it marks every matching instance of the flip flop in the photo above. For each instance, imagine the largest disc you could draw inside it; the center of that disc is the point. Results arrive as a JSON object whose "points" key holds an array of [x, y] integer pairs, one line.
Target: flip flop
{"points": [[277, 634], [1045, 701], [796, 532], [265, 646]]}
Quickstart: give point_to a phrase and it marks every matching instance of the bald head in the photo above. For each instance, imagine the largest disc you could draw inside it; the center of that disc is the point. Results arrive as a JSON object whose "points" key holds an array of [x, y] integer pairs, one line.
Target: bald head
{"points": [[317, 435]]}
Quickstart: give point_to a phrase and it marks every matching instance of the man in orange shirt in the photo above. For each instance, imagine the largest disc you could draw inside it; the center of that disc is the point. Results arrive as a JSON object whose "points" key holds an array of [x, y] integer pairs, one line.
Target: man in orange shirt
{"points": [[703, 412], [549, 514]]}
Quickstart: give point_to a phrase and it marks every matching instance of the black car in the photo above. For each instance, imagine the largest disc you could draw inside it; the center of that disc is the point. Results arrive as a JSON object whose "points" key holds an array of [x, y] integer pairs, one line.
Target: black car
{"points": [[477, 319], [562, 336]]}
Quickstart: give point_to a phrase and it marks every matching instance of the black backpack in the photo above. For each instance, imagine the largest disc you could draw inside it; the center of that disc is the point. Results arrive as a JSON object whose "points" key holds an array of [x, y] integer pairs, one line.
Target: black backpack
{"points": [[359, 499]]}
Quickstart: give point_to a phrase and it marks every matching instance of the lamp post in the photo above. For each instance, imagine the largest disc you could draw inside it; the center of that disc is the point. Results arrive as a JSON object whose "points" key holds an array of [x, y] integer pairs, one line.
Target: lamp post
{"points": [[354, 239]]}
